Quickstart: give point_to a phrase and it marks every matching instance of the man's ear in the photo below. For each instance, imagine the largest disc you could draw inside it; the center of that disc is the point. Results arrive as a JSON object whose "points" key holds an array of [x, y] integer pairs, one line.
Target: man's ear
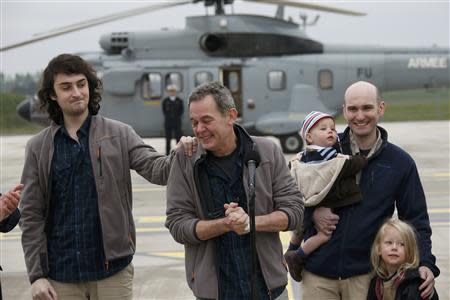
{"points": [[344, 111], [53, 97], [381, 108], [233, 114]]}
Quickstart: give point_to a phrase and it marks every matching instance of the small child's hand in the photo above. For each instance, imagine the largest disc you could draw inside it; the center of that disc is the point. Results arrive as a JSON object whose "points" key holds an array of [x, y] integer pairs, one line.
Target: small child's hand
{"points": [[322, 237]]}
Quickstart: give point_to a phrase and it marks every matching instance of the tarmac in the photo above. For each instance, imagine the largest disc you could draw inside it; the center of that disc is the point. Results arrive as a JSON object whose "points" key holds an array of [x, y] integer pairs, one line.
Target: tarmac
{"points": [[159, 261]]}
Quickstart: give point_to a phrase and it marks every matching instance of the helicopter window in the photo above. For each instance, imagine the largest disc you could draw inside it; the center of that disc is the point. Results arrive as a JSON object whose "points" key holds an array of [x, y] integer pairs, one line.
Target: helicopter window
{"points": [[233, 81], [326, 79], [276, 80], [174, 79], [202, 77], [152, 86]]}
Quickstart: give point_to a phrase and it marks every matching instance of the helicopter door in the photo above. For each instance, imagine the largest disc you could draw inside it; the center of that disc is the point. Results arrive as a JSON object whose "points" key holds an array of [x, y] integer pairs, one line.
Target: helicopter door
{"points": [[231, 78]]}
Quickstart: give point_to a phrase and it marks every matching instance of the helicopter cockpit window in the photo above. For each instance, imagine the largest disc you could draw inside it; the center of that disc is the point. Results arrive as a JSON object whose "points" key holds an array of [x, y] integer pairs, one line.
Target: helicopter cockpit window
{"points": [[174, 79], [326, 79], [276, 80], [152, 86], [203, 77]]}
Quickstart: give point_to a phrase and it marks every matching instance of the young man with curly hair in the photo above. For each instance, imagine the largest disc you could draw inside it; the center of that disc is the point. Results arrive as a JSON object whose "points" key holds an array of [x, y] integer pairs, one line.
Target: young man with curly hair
{"points": [[78, 230]]}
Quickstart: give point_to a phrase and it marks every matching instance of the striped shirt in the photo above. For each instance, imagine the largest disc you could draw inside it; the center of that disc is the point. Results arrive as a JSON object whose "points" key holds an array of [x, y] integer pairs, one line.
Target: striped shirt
{"points": [[317, 154]]}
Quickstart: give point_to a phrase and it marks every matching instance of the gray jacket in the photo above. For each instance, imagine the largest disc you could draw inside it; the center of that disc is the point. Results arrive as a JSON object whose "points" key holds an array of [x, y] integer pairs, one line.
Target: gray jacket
{"points": [[115, 148], [275, 190]]}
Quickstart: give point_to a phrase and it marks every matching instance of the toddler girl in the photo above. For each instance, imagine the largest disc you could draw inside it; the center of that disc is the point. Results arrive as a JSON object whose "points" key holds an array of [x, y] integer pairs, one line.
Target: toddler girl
{"points": [[395, 261]]}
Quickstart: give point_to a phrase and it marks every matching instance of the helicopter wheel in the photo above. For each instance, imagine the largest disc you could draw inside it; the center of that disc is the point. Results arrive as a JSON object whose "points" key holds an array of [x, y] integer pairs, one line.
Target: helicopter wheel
{"points": [[291, 143]]}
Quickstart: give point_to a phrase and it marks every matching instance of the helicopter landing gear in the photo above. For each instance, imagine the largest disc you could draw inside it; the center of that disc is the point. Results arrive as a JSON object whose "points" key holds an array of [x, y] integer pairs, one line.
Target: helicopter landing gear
{"points": [[291, 143]]}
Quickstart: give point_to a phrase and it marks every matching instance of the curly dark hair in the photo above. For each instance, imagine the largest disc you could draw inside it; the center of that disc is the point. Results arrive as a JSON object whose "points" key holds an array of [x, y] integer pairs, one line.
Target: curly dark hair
{"points": [[70, 65]]}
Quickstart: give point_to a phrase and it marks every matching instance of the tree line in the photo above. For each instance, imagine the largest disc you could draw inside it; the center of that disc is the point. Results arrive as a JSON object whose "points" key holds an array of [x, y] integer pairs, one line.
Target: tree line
{"points": [[25, 84]]}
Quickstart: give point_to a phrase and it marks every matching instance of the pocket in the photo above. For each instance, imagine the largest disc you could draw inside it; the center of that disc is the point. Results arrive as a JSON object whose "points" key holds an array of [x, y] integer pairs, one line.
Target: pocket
{"points": [[112, 161], [62, 165], [62, 170], [61, 175], [190, 263]]}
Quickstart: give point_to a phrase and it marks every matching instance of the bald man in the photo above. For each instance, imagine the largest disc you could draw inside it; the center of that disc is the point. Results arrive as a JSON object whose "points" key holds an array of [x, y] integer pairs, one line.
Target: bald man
{"points": [[340, 268]]}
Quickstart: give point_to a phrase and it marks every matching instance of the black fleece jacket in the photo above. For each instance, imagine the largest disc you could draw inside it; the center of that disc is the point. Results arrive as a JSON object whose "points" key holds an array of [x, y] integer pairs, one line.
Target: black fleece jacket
{"points": [[408, 288]]}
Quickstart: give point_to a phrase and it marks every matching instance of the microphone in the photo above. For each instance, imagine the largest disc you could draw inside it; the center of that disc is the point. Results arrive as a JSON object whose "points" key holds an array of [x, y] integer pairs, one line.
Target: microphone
{"points": [[253, 155], [252, 160]]}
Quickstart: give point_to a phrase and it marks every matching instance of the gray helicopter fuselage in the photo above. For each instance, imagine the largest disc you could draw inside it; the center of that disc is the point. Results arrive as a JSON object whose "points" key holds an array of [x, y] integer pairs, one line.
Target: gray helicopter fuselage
{"points": [[276, 73], [306, 82], [314, 77]]}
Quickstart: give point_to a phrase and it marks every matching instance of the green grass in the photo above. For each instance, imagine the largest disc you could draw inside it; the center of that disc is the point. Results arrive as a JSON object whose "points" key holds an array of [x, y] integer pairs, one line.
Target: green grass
{"points": [[415, 105], [10, 122]]}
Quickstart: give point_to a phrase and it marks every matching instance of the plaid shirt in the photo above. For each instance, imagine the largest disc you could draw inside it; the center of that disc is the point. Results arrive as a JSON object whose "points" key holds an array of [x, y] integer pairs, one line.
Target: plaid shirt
{"points": [[74, 236], [232, 250]]}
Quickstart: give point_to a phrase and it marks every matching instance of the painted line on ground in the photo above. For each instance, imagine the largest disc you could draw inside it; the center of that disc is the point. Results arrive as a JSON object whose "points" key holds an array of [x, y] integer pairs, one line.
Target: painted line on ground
{"points": [[284, 236], [149, 189]]}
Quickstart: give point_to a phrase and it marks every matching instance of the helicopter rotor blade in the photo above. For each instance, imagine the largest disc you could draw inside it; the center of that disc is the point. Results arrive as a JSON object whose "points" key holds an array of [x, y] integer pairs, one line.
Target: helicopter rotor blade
{"points": [[306, 5], [95, 22]]}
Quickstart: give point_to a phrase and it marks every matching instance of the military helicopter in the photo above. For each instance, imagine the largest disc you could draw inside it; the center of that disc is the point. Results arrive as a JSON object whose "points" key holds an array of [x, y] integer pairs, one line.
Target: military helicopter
{"points": [[276, 73]]}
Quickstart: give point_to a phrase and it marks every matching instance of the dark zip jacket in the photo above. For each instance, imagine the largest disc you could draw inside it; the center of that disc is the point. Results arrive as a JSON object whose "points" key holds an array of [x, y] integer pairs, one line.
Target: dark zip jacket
{"points": [[10, 222], [6, 225], [408, 288], [173, 110], [390, 180]]}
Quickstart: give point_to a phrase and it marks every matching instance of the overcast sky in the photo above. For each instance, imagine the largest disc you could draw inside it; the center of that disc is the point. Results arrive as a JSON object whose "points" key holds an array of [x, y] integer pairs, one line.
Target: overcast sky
{"points": [[388, 23]]}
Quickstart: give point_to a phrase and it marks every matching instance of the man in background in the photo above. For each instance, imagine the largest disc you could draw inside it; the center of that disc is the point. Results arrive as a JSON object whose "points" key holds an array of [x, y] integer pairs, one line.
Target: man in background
{"points": [[173, 109]]}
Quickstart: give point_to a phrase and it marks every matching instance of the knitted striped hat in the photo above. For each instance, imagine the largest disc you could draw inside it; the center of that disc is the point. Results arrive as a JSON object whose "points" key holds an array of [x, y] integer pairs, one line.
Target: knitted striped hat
{"points": [[311, 120]]}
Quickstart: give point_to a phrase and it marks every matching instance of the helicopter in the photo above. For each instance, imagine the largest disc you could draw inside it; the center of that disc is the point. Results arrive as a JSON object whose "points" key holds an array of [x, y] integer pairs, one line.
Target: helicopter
{"points": [[276, 73]]}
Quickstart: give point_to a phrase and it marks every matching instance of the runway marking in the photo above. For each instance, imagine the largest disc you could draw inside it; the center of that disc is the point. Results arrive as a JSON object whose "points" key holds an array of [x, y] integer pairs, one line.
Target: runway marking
{"points": [[8, 237], [435, 174], [437, 193], [440, 224], [175, 254], [151, 229], [441, 175], [149, 189], [142, 188], [289, 288], [150, 219], [439, 210], [284, 236]]}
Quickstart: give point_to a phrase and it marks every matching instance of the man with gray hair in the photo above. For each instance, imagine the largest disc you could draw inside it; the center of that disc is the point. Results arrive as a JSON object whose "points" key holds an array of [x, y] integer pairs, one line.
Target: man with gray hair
{"points": [[207, 200]]}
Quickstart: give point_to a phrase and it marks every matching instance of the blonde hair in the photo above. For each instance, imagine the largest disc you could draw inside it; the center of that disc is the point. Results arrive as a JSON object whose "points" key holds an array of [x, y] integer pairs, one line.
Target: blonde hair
{"points": [[408, 235]]}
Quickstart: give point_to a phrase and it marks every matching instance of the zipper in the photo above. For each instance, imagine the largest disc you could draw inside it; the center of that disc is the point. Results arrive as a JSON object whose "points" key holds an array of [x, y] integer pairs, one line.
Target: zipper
{"points": [[99, 158]]}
